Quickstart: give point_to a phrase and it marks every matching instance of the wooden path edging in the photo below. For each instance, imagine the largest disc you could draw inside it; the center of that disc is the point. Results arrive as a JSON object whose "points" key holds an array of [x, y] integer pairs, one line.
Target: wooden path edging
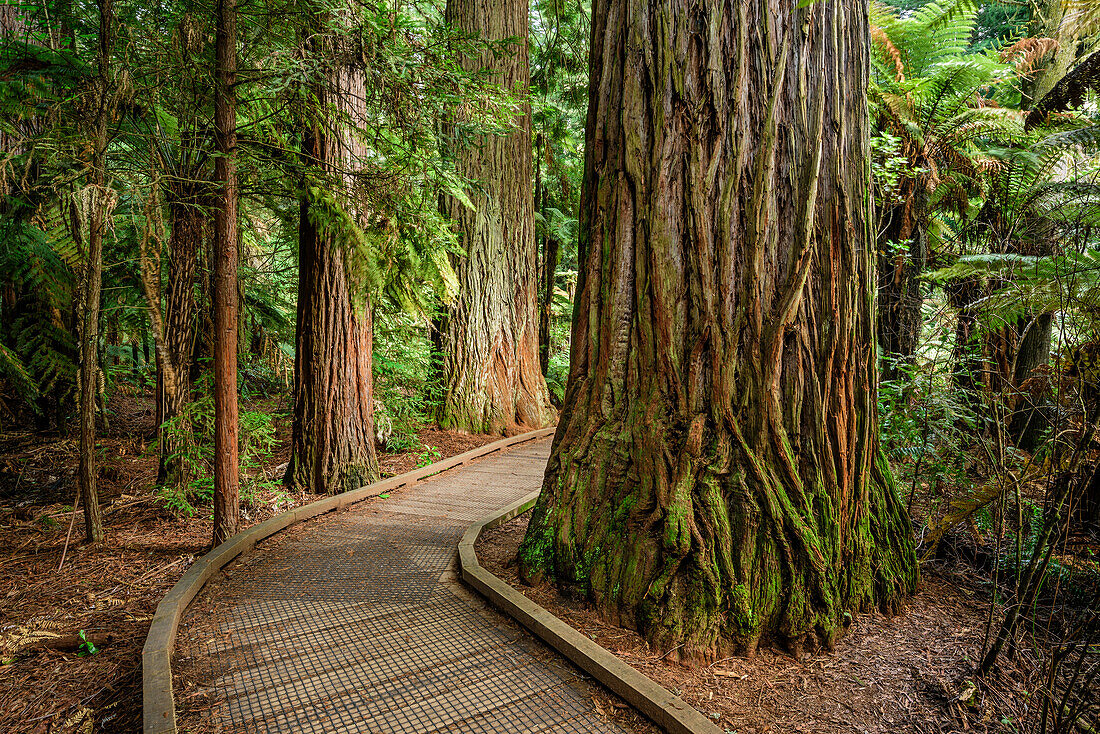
{"points": [[669, 712], [158, 703]]}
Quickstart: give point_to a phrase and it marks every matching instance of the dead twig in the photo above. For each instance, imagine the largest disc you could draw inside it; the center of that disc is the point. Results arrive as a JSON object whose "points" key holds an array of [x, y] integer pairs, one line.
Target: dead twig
{"points": [[69, 535]]}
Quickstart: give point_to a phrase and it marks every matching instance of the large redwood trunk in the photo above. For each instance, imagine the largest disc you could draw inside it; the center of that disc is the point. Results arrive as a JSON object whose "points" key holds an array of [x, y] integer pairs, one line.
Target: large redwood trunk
{"points": [[333, 436], [716, 478], [492, 379]]}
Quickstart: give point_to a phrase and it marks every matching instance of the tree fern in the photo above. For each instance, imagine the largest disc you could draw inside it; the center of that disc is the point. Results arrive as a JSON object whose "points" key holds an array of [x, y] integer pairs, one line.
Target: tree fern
{"points": [[1025, 285]]}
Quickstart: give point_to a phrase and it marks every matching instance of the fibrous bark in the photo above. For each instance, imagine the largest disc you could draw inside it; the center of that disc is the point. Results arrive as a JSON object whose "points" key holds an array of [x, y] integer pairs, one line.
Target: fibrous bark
{"points": [[716, 478], [175, 335], [492, 379], [333, 435], [226, 423]]}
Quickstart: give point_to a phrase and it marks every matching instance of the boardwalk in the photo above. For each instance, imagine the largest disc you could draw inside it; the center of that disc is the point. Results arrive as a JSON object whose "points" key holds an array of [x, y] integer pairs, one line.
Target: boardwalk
{"points": [[351, 624]]}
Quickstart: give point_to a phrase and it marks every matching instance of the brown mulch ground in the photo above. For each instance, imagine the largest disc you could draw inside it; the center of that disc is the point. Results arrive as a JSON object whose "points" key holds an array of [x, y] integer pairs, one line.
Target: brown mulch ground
{"points": [[109, 592], [910, 673]]}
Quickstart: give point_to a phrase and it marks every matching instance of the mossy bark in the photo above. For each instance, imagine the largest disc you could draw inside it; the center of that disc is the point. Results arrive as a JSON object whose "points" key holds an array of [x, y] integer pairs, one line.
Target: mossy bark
{"points": [[492, 382], [333, 448], [716, 479]]}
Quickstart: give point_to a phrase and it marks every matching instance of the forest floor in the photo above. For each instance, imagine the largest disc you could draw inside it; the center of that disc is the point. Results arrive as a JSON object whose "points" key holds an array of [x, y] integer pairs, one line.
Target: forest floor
{"points": [[48, 682], [908, 673]]}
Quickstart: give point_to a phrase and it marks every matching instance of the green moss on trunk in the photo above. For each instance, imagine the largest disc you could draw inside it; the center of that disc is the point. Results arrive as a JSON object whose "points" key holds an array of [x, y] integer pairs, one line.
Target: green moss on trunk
{"points": [[717, 479]]}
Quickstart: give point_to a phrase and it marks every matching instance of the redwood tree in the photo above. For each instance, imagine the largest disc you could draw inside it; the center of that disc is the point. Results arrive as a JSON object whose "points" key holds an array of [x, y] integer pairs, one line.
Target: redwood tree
{"points": [[491, 374], [716, 478], [333, 435], [226, 460]]}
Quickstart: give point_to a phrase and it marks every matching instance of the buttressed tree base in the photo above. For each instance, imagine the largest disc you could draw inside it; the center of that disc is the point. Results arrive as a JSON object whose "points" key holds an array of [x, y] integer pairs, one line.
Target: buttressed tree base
{"points": [[716, 480]]}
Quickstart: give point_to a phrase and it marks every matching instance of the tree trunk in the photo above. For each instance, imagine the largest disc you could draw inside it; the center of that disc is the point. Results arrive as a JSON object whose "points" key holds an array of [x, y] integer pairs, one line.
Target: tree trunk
{"points": [[112, 340], [175, 345], [93, 281], [492, 380], [1033, 349], [1048, 20], [966, 357], [546, 311], [903, 255], [1031, 404], [226, 469], [333, 435], [716, 478]]}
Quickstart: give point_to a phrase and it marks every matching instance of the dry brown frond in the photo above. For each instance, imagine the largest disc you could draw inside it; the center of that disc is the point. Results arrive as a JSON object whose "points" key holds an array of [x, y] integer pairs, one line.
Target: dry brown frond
{"points": [[890, 52], [1027, 53]]}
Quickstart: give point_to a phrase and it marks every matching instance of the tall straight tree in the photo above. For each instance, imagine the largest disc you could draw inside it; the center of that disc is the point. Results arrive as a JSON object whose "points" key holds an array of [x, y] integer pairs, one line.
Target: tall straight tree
{"points": [[333, 434], [491, 374], [226, 460], [716, 478], [99, 199]]}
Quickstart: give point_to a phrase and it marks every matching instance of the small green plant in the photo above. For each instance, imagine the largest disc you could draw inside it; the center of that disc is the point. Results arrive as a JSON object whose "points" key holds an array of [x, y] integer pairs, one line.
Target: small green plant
{"points": [[257, 443], [557, 372], [403, 397], [86, 646], [281, 501], [927, 425], [429, 455]]}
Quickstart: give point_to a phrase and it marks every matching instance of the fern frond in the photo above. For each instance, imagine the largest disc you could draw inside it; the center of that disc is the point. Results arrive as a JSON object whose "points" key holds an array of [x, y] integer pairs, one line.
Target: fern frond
{"points": [[1069, 92], [1026, 285], [891, 54], [17, 374], [1028, 53]]}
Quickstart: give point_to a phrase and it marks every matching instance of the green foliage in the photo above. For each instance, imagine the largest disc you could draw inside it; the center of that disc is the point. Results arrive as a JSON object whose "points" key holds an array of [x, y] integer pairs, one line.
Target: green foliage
{"points": [[192, 435], [86, 646], [935, 107], [559, 103], [1031, 244], [382, 207], [888, 167], [402, 392], [557, 373], [926, 423], [998, 23], [429, 455], [1022, 285]]}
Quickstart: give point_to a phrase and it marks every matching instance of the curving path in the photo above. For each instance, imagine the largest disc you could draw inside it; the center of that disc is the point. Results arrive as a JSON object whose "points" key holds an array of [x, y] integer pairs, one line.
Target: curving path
{"points": [[353, 623]]}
